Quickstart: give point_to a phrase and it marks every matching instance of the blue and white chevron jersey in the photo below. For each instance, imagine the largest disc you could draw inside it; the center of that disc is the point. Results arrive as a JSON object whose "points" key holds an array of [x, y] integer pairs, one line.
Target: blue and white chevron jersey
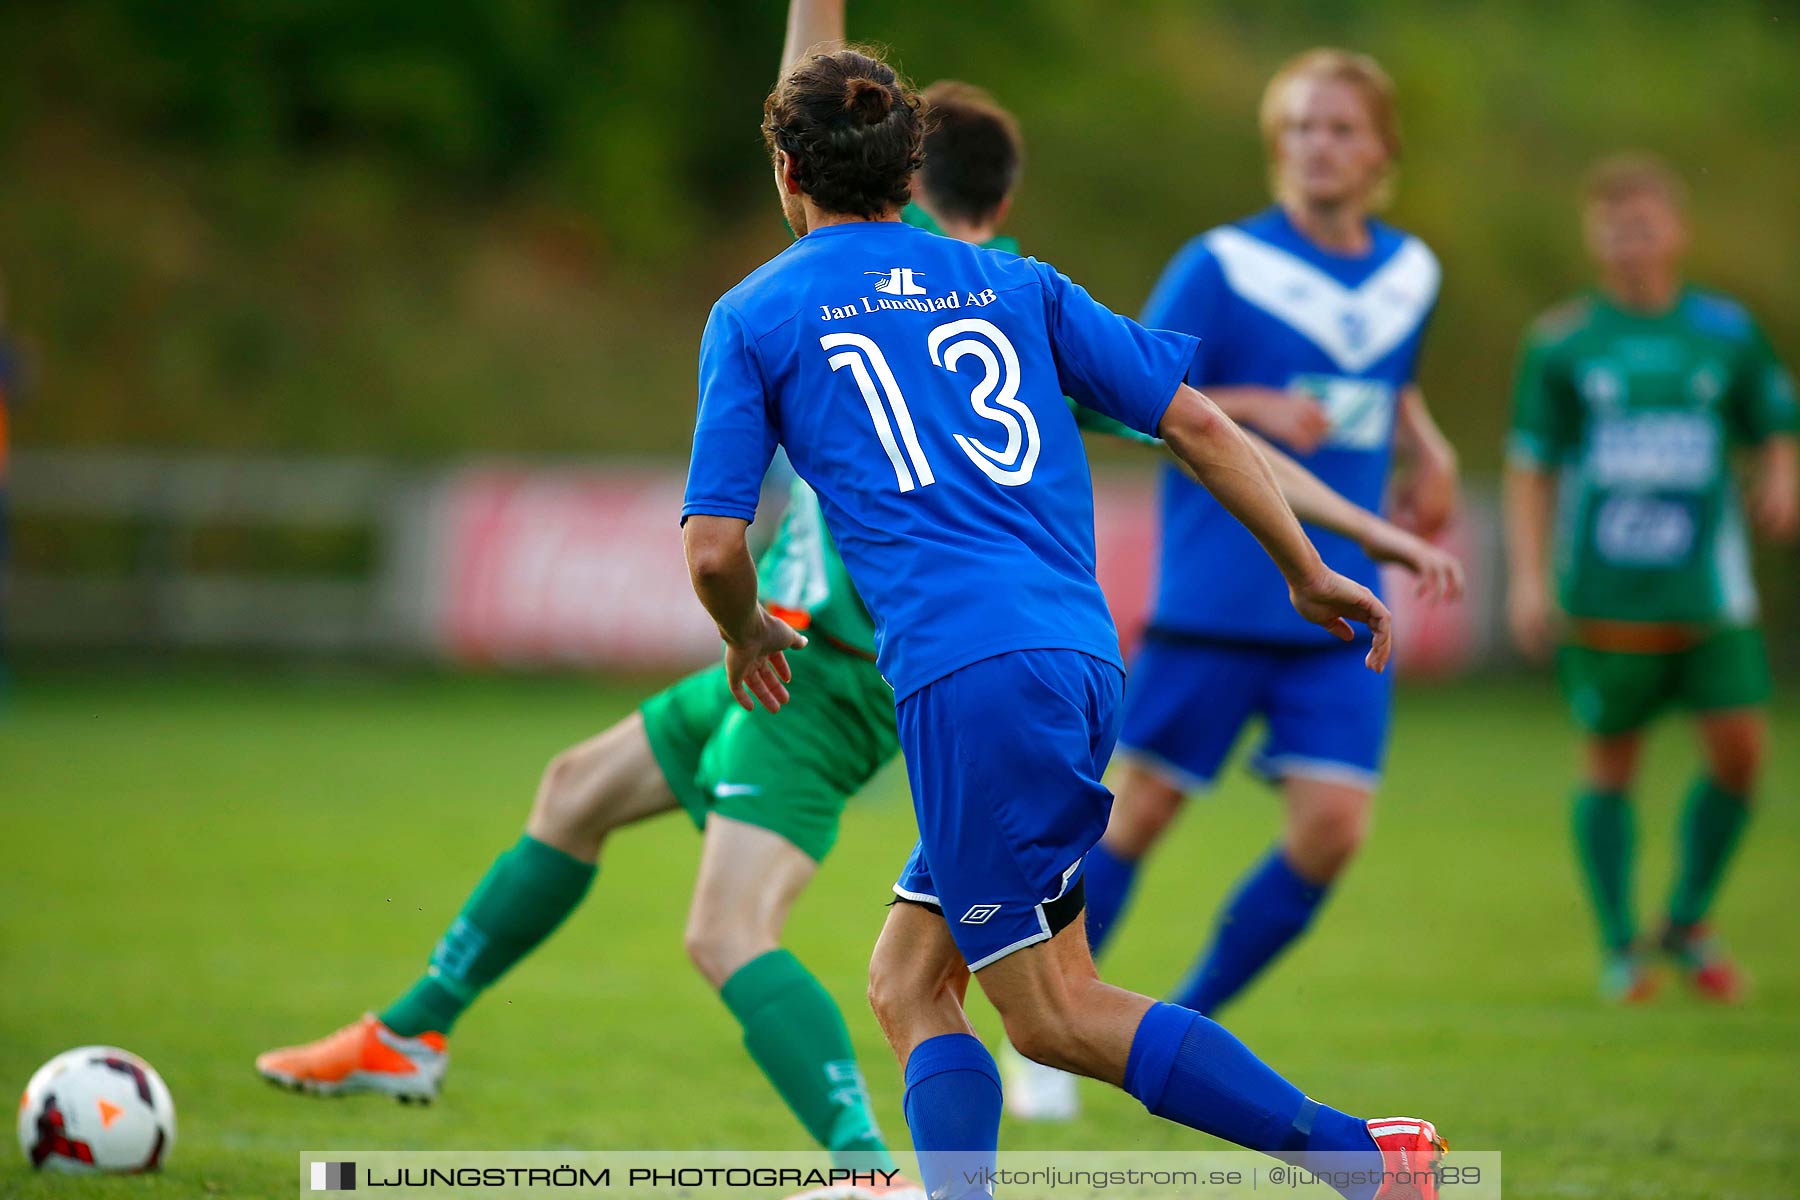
{"points": [[1272, 309]]}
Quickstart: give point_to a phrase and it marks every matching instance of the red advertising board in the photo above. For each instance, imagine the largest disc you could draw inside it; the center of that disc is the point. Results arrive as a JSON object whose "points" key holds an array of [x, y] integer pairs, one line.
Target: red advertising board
{"points": [[584, 568], [567, 568]]}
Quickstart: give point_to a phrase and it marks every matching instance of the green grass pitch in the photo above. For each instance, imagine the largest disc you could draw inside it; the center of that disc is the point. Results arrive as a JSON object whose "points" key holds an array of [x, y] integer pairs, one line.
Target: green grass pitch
{"points": [[201, 866]]}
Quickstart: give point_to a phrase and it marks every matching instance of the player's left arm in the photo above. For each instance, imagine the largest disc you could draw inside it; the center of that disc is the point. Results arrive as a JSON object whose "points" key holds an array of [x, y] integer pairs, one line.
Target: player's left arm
{"points": [[1428, 489], [1767, 416], [1228, 465], [1439, 574], [1775, 502]]}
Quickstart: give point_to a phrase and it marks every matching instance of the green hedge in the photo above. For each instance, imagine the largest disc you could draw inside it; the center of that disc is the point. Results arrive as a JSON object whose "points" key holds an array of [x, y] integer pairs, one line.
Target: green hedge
{"points": [[427, 229]]}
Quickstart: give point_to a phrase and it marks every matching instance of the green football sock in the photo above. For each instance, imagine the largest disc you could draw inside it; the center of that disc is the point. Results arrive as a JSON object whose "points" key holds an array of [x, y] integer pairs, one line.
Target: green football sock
{"points": [[1605, 843], [796, 1034], [523, 897], [1711, 828]]}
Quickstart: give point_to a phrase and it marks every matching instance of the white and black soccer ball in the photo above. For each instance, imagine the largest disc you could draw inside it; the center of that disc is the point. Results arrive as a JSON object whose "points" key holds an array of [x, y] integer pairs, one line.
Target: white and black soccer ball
{"points": [[96, 1109]]}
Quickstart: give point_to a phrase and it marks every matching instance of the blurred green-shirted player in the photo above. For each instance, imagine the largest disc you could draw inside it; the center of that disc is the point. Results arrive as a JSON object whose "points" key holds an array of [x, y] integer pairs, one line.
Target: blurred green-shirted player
{"points": [[1629, 405]]}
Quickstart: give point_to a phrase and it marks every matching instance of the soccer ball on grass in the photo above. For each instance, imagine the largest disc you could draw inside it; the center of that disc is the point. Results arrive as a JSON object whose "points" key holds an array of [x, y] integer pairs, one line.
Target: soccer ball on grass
{"points": [[96, 1109]]}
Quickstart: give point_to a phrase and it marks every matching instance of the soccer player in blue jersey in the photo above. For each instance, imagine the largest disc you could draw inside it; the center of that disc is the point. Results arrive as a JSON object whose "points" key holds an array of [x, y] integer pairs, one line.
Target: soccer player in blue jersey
{"points": [[917, 384], [1311, 314]]}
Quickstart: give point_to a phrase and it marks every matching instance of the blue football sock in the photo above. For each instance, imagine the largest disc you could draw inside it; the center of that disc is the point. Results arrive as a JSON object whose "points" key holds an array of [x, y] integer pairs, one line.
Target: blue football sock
{"points": [[1272, 907], [1189, 1069], [952, 1106], [1108, 879]]}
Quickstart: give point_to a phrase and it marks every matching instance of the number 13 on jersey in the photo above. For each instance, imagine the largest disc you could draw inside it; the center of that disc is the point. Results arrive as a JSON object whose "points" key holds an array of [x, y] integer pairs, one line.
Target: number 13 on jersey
{"points": [[995, 398]]}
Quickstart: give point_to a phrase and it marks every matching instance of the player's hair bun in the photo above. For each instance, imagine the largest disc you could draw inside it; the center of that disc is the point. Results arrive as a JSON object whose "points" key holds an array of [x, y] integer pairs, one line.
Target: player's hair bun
{"points": [[853, 131], [868, 100]]}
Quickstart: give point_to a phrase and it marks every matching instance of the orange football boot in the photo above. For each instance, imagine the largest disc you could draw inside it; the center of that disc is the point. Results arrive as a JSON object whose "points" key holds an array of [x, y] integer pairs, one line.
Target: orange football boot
{"points": [[364, 1057]]}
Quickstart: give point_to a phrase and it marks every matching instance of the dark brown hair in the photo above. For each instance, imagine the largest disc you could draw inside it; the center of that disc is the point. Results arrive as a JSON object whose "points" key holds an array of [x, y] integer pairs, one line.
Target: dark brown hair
{"points": [[854, 129], [973, 153]]}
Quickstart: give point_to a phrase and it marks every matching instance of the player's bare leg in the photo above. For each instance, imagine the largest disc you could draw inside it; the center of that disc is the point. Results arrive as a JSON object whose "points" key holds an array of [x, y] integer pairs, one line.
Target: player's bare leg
{"points": [[749, 879], [917, 980], [1146, 802], [1611, 763], [607, 782], [1143, 809], [1733, 742], [1146, 805], [1327, 823], [586, 792], [1058, 1012], [1718, 808]]}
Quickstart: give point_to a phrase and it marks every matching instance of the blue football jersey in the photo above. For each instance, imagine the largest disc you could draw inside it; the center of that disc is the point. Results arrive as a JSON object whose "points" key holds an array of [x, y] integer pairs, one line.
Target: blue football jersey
{"points": [[1277, 311], [917, 383]]}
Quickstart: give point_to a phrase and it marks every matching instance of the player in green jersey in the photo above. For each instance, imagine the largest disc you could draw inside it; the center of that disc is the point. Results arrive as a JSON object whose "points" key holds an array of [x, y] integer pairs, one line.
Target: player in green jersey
{"points": [[1630, 402], [767, 790]]}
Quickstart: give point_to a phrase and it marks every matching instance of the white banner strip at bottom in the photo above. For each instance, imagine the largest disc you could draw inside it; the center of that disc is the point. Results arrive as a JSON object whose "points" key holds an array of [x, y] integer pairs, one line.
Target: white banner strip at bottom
{"points": [[1018, 1175]]}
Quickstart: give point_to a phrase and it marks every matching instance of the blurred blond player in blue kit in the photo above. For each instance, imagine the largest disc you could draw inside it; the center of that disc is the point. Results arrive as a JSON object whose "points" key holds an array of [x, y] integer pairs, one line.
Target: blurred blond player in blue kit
{"points": [[1312, 314]]}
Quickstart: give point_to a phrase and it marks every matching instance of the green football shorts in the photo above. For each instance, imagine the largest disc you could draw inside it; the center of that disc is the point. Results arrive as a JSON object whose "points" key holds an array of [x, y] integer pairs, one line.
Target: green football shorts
{"points": [[1614, 693], [789, 772]]}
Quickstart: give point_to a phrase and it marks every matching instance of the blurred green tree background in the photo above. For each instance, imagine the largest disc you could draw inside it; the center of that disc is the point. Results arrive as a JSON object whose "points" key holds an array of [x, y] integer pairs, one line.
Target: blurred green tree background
{"points": [[430, 229]]}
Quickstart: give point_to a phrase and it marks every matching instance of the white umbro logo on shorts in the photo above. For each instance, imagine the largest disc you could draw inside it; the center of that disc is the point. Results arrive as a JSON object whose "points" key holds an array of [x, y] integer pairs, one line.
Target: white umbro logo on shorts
{"points": [[723, 790], [981, 914]]}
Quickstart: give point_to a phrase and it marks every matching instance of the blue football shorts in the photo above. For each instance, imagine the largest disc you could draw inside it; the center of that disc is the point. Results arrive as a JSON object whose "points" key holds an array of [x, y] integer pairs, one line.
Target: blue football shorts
{"points": [[1189, 697], [1005, 758]]}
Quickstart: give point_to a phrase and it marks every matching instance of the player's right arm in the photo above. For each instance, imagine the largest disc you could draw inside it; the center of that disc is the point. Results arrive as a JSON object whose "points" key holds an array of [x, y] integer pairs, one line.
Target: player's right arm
{"points": [[756, 641], [1439, 573], [1528, 497], [734, 440], [1540, 437]]}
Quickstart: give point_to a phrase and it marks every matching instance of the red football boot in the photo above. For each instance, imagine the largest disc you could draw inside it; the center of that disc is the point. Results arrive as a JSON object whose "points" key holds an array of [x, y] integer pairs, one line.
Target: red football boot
{"points": [[1703, 962], [1410, 1152]]}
